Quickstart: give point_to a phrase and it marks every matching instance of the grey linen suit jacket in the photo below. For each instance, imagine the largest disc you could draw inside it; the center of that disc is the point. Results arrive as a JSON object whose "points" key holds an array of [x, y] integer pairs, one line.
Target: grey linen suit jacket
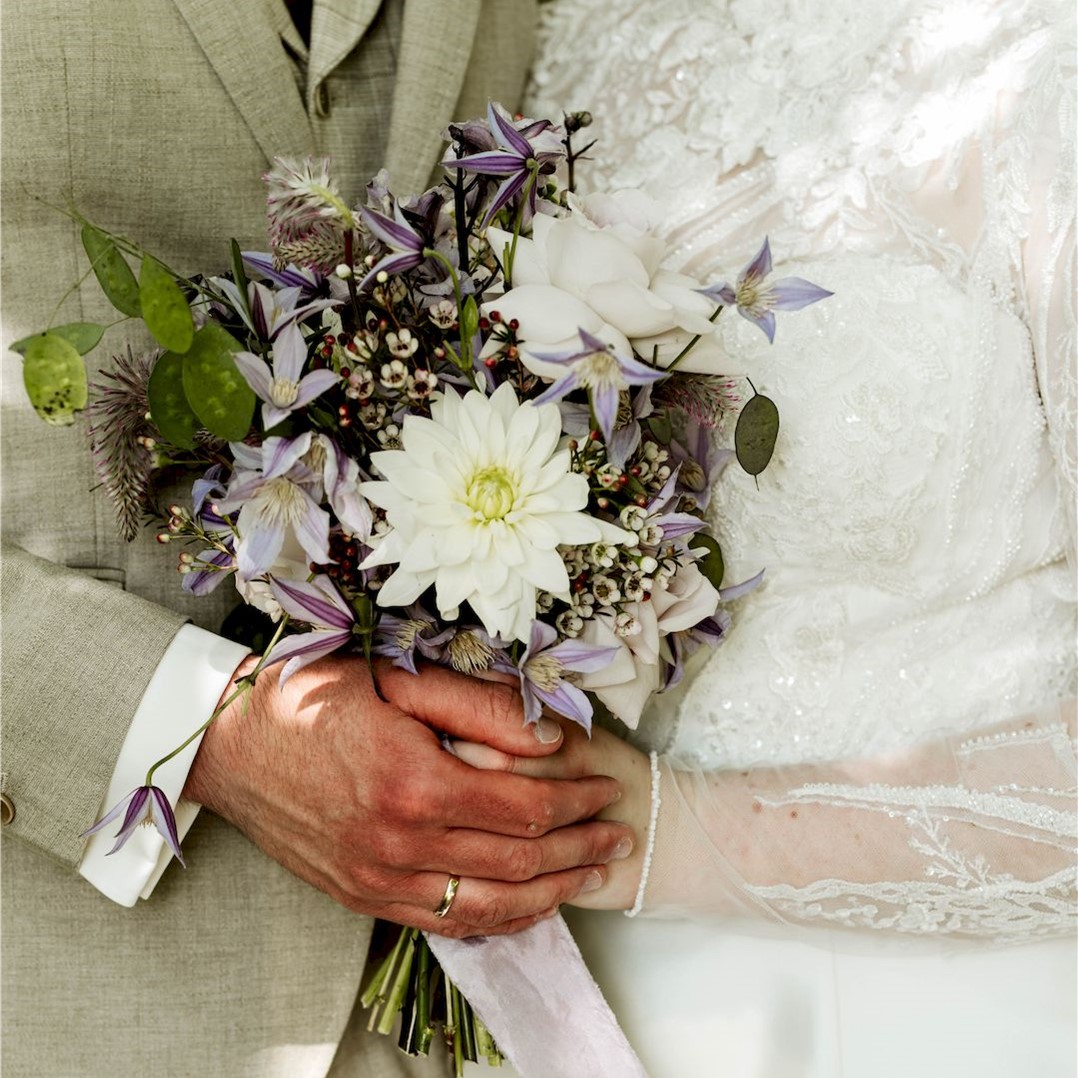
{"points": [[157, 119]]}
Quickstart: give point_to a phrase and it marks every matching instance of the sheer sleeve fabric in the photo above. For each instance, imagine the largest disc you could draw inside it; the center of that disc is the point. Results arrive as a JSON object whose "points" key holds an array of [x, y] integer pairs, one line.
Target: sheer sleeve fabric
{"points": [[968, 836]]}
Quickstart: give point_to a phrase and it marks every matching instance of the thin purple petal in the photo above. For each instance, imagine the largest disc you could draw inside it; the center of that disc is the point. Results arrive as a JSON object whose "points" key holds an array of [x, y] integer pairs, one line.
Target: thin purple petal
{"points": [[306, 648], [794, 293], [317, 604], [604, 403], [133, 818], [396, 234], [313, 385], [256, 373], [582, 658], [558, 390], [721, 292], [508, 191], [503, 130], [164, 820], [569, 701], [258, 550], [289, 353], [317, 643], [490, 163], [623, 444], [112, 814], [760, 266], [289, 277], [675, 525], [735, 591], [391, 264], [765, 322]]}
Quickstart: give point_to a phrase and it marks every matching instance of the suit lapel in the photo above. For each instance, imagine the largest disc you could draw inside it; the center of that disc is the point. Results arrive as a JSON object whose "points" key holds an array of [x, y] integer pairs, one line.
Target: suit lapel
{"points": [[436, 43], [241, 43], [336, 27]]}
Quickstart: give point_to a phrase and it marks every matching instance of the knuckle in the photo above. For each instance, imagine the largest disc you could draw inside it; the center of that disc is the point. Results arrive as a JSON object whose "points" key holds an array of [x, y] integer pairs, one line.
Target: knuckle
{"points": [[490, 910], [525, 861], [501, 702], [544, 814]]}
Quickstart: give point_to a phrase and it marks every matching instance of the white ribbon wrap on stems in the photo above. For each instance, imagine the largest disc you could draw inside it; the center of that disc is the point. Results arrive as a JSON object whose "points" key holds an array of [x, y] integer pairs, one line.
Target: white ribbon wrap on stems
{"points": [[534, 993]]}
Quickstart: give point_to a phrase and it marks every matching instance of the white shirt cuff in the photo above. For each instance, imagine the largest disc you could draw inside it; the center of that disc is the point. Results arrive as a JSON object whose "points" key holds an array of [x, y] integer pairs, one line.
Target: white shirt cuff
{"points": [[185, 688]]}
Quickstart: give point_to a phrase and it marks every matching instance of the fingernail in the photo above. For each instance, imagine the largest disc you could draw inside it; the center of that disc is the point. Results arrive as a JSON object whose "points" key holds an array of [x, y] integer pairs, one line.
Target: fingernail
{"points": [[547, 731], [546, 914], [615, 799], [622, 850], [592, 882]]}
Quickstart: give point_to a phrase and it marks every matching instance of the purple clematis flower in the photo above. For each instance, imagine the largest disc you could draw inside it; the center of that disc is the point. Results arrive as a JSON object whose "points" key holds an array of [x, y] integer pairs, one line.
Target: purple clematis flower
{"points": [[603, 373], [291, 276], [757, 300], [406, 244], [320, 605], [144, 804], [520, 155], [400, 638], [272, 489], [281, 389], [271, 310], [542, 673]]}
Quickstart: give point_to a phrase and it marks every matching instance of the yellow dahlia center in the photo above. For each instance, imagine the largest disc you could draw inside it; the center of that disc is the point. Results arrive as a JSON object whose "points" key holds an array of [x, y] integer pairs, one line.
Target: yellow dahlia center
{"points": [[491, 493]]}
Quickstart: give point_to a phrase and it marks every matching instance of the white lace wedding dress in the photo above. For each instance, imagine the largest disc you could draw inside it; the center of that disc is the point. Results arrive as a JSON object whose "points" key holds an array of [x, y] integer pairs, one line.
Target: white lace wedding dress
{"points": [[916, 158]]}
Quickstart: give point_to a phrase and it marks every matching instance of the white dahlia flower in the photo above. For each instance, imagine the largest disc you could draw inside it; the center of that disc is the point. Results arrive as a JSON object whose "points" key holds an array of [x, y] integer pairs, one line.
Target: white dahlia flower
{"points": [[478, 501]]}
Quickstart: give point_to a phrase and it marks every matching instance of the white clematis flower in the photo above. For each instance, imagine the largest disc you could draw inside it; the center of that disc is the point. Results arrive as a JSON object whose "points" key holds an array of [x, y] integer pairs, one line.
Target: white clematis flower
{"points": [[478, 501]]}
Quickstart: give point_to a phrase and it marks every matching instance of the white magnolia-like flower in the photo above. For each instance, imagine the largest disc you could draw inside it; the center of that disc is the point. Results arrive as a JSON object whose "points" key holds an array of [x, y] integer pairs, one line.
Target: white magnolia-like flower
{"points": [[478, 500], [597, 270]]}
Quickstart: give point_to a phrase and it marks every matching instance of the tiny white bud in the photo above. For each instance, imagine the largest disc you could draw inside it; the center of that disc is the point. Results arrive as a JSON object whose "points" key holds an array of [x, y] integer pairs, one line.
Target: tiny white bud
{"points": [[344, 271], [648, 564], [164, 537], [382, 277]]}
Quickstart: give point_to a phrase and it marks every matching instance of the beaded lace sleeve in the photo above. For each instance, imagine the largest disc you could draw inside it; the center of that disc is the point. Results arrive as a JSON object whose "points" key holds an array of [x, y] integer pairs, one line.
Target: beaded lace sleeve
{"points": [[970, 836]]}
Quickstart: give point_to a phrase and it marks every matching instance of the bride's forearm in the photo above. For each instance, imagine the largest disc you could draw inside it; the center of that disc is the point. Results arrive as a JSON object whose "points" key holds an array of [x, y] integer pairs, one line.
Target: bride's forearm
{"points": [[969, 834]]}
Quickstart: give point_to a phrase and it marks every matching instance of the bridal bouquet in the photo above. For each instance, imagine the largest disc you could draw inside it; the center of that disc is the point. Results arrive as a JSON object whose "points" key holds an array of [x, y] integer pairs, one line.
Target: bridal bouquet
{"points": [[469, 428]]}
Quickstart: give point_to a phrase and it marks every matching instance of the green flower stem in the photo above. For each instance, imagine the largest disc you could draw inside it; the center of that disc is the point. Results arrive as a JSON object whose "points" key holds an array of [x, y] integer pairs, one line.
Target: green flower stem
{"points": [[375, 991], [350, 260], [424, 1029], [73, 288], [242, 686], [511, 254], [692, 344], [464, 361], [395, 997], [484, 1044]]}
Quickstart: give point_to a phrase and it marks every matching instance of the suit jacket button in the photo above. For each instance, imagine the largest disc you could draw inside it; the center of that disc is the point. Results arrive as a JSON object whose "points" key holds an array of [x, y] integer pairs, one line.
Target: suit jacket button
{"points": [[321, 101], [7, 809]]}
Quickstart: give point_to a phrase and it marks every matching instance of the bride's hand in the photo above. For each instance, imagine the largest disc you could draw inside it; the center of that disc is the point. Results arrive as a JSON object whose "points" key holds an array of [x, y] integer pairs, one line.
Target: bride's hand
{"points": [[603, 754]]}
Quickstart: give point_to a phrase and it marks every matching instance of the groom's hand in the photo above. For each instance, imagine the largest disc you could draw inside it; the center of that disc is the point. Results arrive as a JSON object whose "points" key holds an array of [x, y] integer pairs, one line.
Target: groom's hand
{"points": [[357, 797]]}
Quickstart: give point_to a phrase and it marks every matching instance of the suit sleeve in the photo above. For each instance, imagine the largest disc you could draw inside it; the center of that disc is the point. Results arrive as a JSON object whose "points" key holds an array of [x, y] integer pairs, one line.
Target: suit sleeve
{"points": [[66, 639]]}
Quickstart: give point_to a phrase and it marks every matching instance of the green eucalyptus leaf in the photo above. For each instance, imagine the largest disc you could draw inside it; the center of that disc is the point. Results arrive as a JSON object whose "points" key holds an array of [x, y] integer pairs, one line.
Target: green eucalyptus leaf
{"points": [[756, 432], [112, 271], [711, 564], [660, 425], [169, 410], [215, 389], [55, 379], [82, 336], [164, 307]]}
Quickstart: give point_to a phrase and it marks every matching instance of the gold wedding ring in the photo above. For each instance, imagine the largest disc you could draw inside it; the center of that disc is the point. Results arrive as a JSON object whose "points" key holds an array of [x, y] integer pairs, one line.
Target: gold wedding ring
{"points": [[447, 898]]}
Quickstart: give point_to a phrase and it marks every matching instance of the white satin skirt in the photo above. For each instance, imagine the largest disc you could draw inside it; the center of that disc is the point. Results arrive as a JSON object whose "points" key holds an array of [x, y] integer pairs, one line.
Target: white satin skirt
{"points": [[714, 1001]]}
